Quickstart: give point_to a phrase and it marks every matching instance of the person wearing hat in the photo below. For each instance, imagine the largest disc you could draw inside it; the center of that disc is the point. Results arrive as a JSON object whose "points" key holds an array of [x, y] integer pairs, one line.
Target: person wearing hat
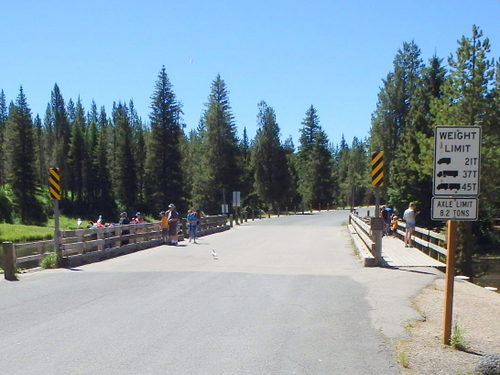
{"points": [[173, 219], [138, 218], [124, 219]]}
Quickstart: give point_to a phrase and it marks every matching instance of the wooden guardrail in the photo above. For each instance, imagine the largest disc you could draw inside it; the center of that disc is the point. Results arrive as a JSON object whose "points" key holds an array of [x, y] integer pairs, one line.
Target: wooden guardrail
{"points": [[363, 230], [430, 242], [93, 244]]}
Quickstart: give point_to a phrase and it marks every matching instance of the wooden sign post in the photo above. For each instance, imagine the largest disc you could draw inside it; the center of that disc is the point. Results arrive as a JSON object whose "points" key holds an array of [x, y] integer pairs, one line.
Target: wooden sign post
{"points": [[457, 156]]}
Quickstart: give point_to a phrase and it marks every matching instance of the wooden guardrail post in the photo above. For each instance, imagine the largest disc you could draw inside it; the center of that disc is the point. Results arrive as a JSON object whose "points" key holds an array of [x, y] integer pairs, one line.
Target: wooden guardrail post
{"points": [[377, 227], [100, 236], [9, 260]]}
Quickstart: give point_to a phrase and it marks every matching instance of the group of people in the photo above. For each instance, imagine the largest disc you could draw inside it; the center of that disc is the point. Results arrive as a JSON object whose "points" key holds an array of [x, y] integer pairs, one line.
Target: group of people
{"points": [[391, 221], [168, 223], [123, 220]]}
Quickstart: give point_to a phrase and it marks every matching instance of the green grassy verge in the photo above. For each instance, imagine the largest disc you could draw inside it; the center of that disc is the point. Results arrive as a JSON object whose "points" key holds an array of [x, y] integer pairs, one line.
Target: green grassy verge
{"points": [[26, 233]]}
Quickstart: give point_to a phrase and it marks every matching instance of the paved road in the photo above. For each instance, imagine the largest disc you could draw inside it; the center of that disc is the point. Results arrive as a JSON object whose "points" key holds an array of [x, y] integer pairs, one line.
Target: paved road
{"points": [[286, 296]]}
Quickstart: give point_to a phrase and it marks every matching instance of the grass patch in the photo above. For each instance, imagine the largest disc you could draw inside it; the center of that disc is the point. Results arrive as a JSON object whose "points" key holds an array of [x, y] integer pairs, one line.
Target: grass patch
{"points": [[27, 233], [457, 339], [50, 261], [24, 233], [403, 360]]}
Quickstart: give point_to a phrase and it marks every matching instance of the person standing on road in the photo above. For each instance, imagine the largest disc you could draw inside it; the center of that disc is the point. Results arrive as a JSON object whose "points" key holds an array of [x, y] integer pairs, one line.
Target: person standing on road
{"points": [[173, 219], [385, 213], [192, 219], [410, 217], [164, 226]]}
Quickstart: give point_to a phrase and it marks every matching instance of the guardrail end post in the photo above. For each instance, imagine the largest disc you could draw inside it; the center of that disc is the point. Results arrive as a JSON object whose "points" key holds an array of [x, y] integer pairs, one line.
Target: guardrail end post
{"points": [[377, 228], [9, 259]]}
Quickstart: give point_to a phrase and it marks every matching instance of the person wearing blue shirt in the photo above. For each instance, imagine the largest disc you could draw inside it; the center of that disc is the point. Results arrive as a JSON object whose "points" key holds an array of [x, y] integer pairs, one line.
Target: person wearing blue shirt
{"points": [[192, 220]]}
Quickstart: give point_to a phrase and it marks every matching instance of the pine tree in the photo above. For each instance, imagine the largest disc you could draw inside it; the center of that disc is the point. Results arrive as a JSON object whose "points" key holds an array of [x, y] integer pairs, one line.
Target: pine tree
{"points": [[341, 170], [163, 180], [125, 179], [3, 121], [76, 151], [355, 182], [394, 101], [411, 169], [102, 159], [40, 152], [58, 123], [316, 164], [139, 150], [91, 182], [272, 178], [21, 161], [220, 155], [293, 199], [247, 173]]}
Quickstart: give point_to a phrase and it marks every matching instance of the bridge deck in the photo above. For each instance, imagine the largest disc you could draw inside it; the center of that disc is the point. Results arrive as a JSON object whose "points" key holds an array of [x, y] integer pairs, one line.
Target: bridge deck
{"points": [[395, 254]]}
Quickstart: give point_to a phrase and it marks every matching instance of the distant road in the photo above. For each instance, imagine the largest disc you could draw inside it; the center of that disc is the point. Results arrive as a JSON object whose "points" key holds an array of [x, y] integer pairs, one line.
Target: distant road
{"points": [[286, 296]]}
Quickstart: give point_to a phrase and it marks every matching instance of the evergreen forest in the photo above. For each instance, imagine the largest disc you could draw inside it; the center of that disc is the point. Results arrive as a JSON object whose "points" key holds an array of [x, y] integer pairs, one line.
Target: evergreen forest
{"points": [[113, 160]]}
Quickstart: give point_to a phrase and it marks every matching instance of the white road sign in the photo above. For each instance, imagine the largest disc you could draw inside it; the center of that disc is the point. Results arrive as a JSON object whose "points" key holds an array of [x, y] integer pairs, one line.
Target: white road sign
{"points": [[457, 156], [462, 209], [236, 199]]}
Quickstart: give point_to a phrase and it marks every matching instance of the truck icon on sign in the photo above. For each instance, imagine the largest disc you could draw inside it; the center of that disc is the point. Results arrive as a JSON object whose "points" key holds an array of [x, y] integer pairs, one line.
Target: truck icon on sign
{"points": [[446, 186], [447, 174], [444, 161]]}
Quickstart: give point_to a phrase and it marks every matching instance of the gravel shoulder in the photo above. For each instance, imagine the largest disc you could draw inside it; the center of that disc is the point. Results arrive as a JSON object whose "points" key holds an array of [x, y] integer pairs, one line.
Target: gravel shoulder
{"points": [[475, 311]]}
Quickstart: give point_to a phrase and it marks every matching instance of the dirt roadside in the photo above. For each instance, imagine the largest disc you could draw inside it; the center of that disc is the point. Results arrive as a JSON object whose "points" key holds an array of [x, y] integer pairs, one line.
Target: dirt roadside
{"points": [[476, 313]]}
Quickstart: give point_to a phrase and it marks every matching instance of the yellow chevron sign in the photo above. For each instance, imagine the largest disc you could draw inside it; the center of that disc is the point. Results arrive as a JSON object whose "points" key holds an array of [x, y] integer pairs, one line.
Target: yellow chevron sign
{"points": [[54, 184], [378, 168]]}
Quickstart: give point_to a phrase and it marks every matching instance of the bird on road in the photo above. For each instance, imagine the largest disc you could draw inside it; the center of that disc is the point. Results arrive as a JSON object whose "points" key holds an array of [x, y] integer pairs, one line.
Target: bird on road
{"points": [[214, 255]]}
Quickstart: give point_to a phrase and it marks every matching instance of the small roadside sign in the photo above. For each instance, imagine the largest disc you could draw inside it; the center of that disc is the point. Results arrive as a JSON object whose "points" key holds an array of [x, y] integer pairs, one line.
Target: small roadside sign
{"points": [[463, 209], [236, 199], [457, 154]]}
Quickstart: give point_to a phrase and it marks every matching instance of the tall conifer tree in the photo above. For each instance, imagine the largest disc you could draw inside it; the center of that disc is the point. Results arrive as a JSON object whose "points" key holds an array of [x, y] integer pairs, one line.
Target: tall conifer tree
{"points": [[272, 177], [163, 167], [59, 125], [316, 163], [21, 161], [3, 121], [76, 151], [394, 100], [125, 180], [220, 156]]}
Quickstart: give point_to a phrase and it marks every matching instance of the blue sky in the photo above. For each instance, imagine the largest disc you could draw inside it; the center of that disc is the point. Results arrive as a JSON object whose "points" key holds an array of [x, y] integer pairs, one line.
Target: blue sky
{"points": [[290, 53]]}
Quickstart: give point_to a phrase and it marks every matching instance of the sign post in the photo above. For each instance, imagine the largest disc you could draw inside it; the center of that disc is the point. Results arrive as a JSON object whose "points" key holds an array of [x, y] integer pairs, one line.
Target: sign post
{"points": [[457, 156], [377, 223], [377, 173], [236, 205], [450, 277], [55, 196]]}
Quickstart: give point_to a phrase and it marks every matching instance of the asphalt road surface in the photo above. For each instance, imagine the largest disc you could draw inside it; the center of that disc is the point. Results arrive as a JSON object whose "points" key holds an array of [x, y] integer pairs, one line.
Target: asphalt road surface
{"points": [[285, 296]]}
